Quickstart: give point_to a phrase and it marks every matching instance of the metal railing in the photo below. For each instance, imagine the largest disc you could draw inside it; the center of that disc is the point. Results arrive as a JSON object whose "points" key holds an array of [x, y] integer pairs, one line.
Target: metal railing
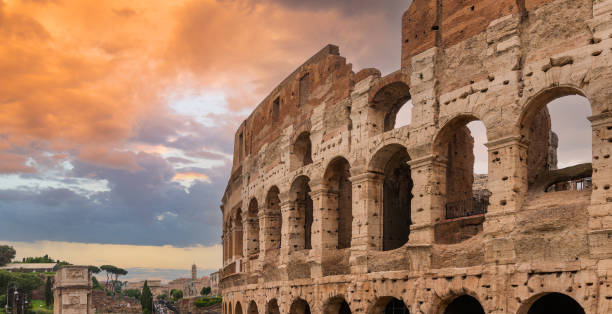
{"points": [[465, 208]]}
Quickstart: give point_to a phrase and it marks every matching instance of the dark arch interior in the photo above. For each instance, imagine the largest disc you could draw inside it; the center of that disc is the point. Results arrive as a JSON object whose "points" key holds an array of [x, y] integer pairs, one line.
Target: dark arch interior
{"points": [[300, 307], [389, 100], [397, 195], [253, 234], [302, 149], [273, 307], [396, 306], [464, 304], [337, 177], [238, 308], [273, 207], [304, 205], [337, 305], [556, 303], [252, 308]]}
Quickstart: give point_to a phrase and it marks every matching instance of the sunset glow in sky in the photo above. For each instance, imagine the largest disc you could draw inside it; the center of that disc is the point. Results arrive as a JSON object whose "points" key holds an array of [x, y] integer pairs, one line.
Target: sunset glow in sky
{"points": [[117, 118]]}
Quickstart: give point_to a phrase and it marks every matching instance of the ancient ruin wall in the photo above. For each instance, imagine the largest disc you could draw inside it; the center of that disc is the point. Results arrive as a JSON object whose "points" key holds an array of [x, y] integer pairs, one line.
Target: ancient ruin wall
{"points": [[329, 132]]}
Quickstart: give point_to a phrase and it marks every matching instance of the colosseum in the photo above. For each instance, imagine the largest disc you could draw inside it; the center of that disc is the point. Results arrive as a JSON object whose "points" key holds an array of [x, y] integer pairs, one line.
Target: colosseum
{"points": [[331, 208]]}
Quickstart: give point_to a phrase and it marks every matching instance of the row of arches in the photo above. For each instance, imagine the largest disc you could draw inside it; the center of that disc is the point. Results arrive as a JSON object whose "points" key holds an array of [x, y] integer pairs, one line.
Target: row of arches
{"points": [[459, 146], [461, 304]]}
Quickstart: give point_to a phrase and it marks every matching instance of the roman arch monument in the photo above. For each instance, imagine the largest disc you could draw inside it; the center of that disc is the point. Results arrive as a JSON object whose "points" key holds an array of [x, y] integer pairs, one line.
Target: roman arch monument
{"points": [[331, 208]]}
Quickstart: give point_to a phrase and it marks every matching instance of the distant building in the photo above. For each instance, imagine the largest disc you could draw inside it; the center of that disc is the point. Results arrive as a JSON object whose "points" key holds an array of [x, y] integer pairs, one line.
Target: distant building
{"points": [[29, 267], [214, 283], [155, 286]]}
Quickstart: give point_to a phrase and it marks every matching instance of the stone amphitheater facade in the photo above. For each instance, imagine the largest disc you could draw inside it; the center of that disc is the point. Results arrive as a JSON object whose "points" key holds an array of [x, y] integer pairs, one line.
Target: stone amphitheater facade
{"points": [[331, 209]]}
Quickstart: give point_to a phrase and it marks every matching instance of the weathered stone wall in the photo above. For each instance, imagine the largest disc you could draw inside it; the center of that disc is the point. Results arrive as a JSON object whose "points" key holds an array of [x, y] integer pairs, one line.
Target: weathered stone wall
{"points": [[114, 304], [72, 290], [500, 62]]}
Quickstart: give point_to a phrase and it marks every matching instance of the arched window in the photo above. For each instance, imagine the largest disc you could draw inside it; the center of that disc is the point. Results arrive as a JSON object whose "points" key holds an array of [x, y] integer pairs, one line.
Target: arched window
{"points": [[404, 115], [460, 147], [272, 307], [389, 305], [392, 162], [300, 193], [299, 306], [336, 305], [253, 228], [338, 183], [252, 309], [302, 151], [273, 215], [387, 103], [555, 303], [560, 141], [238, 234], [464, 304]]}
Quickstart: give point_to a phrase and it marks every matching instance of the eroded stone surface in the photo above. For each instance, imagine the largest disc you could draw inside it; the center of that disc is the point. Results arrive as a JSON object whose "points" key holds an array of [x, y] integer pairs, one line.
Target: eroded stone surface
{"points": [[320, 154]]}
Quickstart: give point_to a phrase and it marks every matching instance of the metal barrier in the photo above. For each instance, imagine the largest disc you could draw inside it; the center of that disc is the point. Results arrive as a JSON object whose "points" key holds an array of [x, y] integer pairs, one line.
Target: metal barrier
{"points": [[466, 208]]}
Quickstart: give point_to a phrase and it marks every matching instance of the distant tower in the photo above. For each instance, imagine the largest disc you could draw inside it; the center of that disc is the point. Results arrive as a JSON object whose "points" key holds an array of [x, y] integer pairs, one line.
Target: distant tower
{"points": [[194, 272]]}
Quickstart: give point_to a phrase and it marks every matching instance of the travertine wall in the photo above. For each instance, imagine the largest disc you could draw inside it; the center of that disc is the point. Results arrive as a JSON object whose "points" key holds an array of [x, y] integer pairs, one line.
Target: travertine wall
{"points": [[72, 291], [497, 61]]}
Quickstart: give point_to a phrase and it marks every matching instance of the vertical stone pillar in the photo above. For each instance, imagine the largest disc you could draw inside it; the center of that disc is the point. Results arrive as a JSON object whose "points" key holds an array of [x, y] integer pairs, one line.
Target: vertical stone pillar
{"points": [[600, 209], [294, 231], [367, 222], [251, 235], [324, 225], [428, 202], [507, 182], [268, 233], [72, 291]]}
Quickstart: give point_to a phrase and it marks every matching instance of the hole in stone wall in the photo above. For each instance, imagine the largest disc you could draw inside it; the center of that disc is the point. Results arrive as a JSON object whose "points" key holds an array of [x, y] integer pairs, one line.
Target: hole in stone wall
{"points": [[560, 142]]}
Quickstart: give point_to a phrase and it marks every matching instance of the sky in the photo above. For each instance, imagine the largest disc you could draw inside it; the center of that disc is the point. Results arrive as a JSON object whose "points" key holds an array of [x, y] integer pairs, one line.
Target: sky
{"points": [[117, 118]]}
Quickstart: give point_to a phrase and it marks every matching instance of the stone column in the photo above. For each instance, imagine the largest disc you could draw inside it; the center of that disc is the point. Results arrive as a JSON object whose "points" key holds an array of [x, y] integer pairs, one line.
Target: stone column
{"points": [[600, 209], [250, 241], [367, 223], [268, 233], [72, 291], [237, 242], [507, 182], [428, 202], [290, 229], [324, 226]]}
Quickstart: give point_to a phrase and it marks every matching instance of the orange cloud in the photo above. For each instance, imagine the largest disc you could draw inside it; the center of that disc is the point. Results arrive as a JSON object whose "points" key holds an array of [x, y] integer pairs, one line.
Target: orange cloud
{"points": [[190, 176], [80, 77]]}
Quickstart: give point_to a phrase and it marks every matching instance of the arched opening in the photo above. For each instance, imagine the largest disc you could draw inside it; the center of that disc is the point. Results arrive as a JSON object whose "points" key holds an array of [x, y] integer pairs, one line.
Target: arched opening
{"points": [[237, 231], [460, 148], [555, 303], [273, 219], [389, 305], [300, 193], [252, 309], [302, 151], [392, 162], [272, 307], [404, 115], [559, 135], [388, 101], [336, 305], [299, 306], [339, 186], [253, 228], [229, 308], [464, 304], [238, 308]]}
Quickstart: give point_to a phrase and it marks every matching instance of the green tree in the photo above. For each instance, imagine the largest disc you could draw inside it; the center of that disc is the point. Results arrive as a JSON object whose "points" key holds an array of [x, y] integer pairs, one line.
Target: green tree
{"points": [[48, 293], [112, 273], [41, 259], [162, 296], [134, 293], [7, 253], [146, 299], [205, 291], [96, 284], [60, 264], [176, 294], [94, 269]]}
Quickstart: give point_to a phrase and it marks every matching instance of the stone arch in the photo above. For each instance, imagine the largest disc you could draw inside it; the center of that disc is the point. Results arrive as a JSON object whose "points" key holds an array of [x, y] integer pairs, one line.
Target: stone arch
{"points": [[388, 305], [299, 306], [387, 98], [237, 233], [229, 308], [551, 302], [461, 203], [336, 305], [337, 182], [238, 308], [462, 304], [273, 219], [272, 307], [535, 127], [303, 214], [252, 224], [390, 161], [252, 309], [302, 151]]}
